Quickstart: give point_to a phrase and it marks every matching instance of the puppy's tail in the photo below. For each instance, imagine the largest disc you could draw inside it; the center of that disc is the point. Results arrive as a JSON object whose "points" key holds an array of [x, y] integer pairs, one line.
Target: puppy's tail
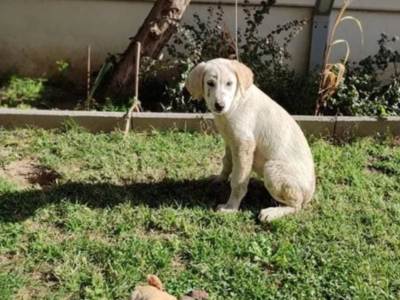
{"points": [[153, 280]]}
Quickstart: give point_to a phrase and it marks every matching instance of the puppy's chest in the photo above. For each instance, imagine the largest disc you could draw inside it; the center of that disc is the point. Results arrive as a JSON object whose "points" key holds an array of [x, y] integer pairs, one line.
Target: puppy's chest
{"points": [[236, 130]]}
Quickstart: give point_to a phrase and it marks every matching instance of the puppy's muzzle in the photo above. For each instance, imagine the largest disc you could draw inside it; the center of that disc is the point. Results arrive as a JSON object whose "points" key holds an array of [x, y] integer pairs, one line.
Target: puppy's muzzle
{"points": [[219, 107]]}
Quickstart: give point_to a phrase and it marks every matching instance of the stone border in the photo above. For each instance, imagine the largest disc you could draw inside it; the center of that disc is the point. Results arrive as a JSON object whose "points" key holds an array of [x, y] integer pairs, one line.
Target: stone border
{"points": [[144, 122]]}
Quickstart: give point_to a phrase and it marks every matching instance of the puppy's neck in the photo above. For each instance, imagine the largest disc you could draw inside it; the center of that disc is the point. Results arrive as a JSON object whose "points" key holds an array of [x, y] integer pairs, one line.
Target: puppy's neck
{"points": [[237, 105]]}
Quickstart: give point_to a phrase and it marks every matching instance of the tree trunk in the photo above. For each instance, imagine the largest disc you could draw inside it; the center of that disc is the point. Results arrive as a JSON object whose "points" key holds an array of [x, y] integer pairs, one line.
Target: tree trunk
{"points": [[154, 34]]}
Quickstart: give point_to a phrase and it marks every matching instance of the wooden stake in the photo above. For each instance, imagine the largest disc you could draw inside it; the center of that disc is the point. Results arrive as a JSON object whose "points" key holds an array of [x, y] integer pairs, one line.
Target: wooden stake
{"points": [[88, 75], [137, 64], [136, 103]]}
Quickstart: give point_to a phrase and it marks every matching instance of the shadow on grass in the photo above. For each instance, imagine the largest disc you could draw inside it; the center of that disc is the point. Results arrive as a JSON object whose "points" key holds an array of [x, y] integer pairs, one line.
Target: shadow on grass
{"points": [[16, 206]]}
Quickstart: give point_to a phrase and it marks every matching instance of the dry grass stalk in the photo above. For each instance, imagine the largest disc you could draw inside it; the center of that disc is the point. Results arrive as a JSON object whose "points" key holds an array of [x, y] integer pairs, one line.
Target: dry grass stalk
{"points": [[332, 74], [228, 44]]}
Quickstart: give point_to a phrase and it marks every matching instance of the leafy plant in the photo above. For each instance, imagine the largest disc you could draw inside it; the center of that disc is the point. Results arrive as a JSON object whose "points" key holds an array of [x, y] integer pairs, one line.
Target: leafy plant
{"points": [[210, 38], [363, 92], [162, 86], [62, 65], [162, 81], [20, 92]]}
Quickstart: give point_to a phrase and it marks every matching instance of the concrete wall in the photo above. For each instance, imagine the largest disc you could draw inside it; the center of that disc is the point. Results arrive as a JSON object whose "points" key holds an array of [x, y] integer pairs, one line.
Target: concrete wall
{"points": [[95, 121], [34, 34]]}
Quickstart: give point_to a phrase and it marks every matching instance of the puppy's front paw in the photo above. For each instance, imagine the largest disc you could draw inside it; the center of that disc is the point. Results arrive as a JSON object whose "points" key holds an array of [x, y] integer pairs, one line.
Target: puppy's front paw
{"points": [[216, 179], [226, 209]]}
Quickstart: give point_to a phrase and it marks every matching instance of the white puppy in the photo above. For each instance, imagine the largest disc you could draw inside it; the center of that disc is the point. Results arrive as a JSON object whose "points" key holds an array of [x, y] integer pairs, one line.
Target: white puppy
{"points": [[259, 135]]}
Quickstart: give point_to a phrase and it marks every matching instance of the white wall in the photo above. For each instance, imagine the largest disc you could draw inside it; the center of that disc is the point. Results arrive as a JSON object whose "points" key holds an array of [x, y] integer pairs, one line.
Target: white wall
{"points": [[34, 34]]}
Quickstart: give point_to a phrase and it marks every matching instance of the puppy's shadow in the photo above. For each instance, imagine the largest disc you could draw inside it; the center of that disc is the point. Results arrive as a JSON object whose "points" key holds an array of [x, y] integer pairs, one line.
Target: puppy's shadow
{"points": [[16, 206]]}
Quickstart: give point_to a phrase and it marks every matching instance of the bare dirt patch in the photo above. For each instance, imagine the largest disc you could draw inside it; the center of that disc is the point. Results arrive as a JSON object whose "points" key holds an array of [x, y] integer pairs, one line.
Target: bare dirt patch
{"points": [[151, 233], [177, 263], [30, 292], [146, 176], [371, 170], [31, 226], [395, 142], [25, 173], [4, 152], [98, 237], [6, 258], [152, 176], [52, 234]]}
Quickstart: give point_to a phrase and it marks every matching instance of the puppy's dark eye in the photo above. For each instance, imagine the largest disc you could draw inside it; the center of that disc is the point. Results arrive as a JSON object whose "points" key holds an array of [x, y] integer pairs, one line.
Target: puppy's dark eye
{"points": [[229, 83], [210, 83]]}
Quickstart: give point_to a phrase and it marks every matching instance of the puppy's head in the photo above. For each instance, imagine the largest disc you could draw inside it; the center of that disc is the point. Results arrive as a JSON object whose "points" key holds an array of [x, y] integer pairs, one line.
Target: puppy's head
{"points": [[218, 81]]}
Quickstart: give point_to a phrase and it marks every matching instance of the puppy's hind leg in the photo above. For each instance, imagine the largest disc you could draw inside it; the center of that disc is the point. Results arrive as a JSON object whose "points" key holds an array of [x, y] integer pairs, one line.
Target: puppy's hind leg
{"points": [[273, 213], [287, 184]]}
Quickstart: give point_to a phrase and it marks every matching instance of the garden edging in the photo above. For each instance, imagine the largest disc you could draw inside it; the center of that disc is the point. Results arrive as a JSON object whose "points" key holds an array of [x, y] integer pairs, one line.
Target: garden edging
{"points": [[96, 121]]}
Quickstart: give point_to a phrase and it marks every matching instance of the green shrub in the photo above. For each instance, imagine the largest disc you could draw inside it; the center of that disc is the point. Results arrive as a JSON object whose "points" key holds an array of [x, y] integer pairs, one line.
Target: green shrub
{"points": [[44, 93], [19, 91], [162, 82], [362, 92]]}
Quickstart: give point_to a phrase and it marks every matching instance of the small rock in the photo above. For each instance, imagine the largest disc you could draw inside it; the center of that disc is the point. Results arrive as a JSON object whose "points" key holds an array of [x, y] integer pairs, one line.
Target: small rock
{"points": [[195, 295]]}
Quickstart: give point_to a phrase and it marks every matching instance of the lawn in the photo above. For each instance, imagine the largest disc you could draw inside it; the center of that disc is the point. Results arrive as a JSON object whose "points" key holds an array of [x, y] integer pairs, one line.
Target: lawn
{"points": [[86, 216]]}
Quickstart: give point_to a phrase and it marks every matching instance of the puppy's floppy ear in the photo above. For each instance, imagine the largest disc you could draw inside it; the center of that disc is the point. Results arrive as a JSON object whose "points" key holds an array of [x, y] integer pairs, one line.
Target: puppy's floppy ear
{"points": [[194, 81], [244, 74], [153, 280]]}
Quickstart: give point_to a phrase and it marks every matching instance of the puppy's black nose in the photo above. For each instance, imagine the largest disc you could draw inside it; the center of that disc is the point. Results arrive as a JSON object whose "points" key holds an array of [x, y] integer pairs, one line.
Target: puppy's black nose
{"points": [[219, 107]]}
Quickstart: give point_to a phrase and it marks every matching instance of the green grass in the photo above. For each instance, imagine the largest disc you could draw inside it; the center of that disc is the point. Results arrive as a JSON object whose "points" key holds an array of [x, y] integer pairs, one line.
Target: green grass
{"points": [[119, 209], [43, 93], [20, 92]]}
